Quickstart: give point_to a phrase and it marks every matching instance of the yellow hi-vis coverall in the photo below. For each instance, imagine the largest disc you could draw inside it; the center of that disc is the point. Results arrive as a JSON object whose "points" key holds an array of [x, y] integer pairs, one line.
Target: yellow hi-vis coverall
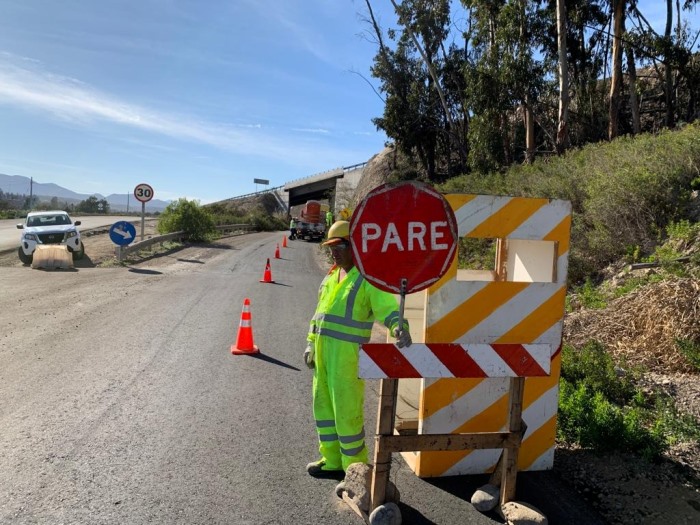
{"points": [[344, 317]]}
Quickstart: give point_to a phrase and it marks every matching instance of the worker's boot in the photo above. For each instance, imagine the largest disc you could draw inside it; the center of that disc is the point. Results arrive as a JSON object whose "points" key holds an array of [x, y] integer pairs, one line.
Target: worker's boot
{"points": [[319, 469]]}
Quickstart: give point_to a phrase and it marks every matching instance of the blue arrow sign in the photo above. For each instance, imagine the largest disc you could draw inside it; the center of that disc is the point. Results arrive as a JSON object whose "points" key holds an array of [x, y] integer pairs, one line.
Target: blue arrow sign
{"points": [[122, 233]]}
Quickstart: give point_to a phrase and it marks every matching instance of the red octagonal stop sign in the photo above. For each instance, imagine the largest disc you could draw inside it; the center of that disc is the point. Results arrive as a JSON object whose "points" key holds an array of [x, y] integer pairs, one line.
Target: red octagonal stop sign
{"points": [[403, 231]]}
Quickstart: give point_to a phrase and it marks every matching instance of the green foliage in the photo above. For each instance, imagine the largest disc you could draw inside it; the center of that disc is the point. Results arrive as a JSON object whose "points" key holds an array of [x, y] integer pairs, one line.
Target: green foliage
{"points": [[600, 407], [590, 296], [683, 231], [592, 367], [476, 254], [258, 216], [681, 236], [674, 426], [632, 283], [187, 216], [12, 214], [93, 205], [589, 419], [690, 350], [264, 222], [486, 144]]}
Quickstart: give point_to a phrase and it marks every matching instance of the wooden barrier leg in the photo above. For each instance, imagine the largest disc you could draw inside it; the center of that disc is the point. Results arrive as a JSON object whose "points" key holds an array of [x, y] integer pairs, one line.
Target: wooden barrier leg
{"points": [[510, 454], [388, 390]]}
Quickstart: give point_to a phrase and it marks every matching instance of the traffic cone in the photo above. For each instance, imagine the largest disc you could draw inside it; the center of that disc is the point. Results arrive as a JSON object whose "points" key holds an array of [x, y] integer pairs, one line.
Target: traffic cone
{"points": [[277, 252], [267, 276], [244, 341], [284, 241]]}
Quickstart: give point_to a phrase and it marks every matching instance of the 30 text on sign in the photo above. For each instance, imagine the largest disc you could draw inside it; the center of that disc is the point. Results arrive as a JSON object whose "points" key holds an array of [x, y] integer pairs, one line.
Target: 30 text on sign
{"points": [[143, 192]]}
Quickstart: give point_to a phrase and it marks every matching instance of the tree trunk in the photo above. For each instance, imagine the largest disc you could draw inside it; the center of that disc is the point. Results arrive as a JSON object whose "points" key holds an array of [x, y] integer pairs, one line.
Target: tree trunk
{"points": [[529, 121], [634, 102], [562, 140], [616, 78], [668, 79], [528, 117]]}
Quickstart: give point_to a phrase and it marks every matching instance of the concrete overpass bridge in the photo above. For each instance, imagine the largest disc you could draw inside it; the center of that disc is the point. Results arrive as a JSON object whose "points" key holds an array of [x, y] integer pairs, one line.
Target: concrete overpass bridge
{"points": [[336, 186]]}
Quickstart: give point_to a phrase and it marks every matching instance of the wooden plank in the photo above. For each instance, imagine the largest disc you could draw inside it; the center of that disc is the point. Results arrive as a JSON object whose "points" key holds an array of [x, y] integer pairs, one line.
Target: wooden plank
{"points": [[441, 442], [510, 453], [388, 390]]}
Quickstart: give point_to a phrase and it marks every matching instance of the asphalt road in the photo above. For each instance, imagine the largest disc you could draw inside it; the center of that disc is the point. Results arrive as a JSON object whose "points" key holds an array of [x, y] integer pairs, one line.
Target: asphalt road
{"points": [[10, 235], [120, 402]]}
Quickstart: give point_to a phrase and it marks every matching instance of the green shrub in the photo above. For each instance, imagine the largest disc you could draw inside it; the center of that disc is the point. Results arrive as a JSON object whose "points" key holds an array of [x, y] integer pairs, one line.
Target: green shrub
{"points": [[632, 283], [601, 408], [593, 367], [690, 350], [591, 295], [187, 216], [264, 222], [672, 425]]}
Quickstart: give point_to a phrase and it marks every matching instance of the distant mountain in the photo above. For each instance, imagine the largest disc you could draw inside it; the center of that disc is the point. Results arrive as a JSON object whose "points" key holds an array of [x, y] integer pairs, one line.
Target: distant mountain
{"points": [[46, 191]]}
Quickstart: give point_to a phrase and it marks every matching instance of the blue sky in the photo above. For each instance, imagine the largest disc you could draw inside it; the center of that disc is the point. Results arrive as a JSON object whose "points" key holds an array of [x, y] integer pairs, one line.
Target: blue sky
{"points": [[194, 97]]}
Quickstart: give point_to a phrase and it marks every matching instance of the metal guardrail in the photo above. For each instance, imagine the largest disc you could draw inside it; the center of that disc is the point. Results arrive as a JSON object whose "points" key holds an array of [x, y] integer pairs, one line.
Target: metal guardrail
{"points": [[261, 192], [122, 251]]}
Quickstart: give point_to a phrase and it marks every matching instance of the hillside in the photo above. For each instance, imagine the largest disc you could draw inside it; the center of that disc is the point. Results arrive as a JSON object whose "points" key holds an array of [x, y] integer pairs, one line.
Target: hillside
{"points": [[45, 192]]}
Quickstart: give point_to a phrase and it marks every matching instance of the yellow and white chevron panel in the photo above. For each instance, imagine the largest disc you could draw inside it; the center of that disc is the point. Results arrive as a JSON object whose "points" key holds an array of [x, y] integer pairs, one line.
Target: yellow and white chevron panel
{"points": [[523, 303]]}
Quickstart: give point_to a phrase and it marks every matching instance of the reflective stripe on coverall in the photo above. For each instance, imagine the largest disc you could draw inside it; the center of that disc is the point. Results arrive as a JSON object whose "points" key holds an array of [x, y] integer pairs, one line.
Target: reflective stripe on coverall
{"points": [[344, 317]]}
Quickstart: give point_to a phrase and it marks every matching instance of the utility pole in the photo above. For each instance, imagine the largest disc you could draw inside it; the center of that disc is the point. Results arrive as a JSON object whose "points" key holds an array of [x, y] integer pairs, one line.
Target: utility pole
{"points": [[31, 191]]}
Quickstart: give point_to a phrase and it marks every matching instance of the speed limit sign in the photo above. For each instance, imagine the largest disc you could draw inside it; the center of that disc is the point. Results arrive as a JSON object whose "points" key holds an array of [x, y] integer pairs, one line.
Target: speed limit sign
{"points": [[143, 192]]}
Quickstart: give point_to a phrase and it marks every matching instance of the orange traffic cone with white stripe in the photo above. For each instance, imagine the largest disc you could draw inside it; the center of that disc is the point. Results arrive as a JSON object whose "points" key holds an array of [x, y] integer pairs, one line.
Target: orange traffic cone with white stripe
{"points": [[244, 341], [284, 241], [267, 276], [277, 252]]}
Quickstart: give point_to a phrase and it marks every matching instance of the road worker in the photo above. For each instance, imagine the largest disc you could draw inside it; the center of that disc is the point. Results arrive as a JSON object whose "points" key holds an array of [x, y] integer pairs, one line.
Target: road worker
{"points": [[292, 229], [347, 307], [329, 219]]}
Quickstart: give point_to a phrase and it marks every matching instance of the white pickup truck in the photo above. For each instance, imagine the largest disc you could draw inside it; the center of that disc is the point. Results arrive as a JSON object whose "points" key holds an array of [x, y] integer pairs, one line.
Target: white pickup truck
{"points": [[49, 227]]}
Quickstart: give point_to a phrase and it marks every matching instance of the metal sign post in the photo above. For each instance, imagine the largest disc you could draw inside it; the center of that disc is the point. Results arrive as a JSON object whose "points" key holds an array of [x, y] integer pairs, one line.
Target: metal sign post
{"points": [[143, 193]]}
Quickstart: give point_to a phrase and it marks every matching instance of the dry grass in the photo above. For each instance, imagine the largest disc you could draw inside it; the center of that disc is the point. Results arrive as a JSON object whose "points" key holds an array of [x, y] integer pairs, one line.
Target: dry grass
{"points": [[642, 326]]}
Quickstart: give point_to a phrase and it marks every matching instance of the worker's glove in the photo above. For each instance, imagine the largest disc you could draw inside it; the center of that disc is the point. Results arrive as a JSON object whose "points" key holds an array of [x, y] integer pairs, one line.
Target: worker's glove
{"points": [[403, 337], [309, 356]]}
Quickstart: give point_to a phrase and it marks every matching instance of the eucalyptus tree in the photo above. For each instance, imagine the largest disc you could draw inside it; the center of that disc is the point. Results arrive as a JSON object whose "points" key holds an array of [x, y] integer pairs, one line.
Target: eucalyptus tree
{"points": [[619, 8], [562, 139], [419, 77], [582, 36], [671, 57], [502, 75]]}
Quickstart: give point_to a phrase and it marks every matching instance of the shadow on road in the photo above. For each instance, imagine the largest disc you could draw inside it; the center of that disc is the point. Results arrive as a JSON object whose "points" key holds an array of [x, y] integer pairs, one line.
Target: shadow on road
{"points": [[145, 271], [274, 361]]}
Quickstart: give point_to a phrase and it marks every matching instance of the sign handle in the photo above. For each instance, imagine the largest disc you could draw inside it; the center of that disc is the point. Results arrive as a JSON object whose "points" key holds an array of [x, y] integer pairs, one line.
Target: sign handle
{"points": [[404, 285]]}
